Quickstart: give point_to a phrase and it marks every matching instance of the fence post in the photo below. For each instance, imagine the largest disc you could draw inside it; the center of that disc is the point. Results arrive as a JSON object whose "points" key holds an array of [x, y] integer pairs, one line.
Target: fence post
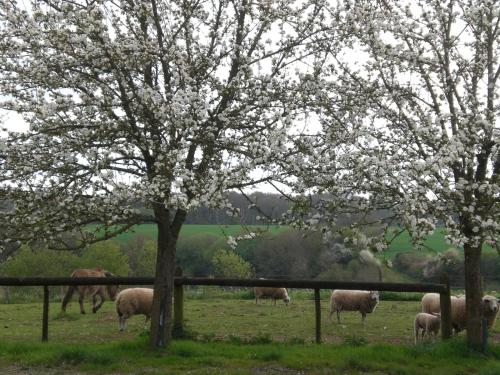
{"points": [[178, 303], [445, 302], [45, 317], [317, 304]]}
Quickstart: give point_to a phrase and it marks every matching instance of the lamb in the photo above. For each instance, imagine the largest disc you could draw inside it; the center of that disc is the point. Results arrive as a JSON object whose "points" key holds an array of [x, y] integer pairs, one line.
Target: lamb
{"points": [[430, 304], [134, 301], [353, 300], [428, 323], [274, 293]]}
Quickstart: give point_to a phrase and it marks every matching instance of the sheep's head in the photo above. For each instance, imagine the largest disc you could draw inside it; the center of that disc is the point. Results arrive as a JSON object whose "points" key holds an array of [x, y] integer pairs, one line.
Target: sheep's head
{"points": [[374, 295], [437, 315], [490, 303], [286, 300]]}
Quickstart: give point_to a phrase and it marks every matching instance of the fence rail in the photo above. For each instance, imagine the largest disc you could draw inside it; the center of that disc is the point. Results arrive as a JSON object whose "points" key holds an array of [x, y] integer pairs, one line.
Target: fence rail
{"points": [[278, 283], [442, 288]]}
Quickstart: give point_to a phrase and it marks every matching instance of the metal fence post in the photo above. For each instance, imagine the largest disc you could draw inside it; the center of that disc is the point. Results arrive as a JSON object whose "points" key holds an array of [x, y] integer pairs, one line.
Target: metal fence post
{"points": [[45, 317], [178, 303], [317, 304], [445, 302]]}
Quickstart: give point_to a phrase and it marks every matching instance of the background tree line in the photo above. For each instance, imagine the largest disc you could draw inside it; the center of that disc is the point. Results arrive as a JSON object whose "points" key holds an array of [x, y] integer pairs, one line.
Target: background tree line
{"points": [[291, 254]]}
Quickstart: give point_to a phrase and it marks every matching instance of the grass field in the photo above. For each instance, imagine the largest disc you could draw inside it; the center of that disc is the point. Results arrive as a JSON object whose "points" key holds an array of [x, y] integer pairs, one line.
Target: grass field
{"points": [[150, 230], [402, 243], [237, 336]]}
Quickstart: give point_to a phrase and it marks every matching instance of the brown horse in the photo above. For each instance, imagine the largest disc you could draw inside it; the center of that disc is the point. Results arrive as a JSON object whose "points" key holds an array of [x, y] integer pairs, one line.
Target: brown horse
{"points": [[90, 290]]}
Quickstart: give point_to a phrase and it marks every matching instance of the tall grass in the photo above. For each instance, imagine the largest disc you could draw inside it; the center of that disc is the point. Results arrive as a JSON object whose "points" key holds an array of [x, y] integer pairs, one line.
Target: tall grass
{"points": [[183, 356]]}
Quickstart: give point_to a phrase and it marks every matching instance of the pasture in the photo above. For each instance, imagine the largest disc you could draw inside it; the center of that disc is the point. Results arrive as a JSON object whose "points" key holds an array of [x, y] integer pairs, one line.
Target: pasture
{"points": [[402, 243], [150, 230], [234, 333]]}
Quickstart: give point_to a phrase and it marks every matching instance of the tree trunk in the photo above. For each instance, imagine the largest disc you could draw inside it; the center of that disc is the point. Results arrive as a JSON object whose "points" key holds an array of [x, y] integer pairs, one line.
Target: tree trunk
{"points": [[474, 295], [161, 316]]}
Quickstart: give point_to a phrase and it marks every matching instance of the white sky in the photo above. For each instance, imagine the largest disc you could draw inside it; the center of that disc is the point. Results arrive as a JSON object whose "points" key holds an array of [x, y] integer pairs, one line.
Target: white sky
{"points": [[13, 121]]}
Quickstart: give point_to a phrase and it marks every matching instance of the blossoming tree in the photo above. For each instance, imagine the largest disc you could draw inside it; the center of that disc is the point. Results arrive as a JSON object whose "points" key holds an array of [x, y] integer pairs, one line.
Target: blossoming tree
{"points": [[170, 103], [418, 108]]}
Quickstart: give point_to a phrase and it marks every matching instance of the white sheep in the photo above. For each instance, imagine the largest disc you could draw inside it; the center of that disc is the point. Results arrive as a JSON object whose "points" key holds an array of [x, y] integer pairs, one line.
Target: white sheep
{"points": [[428, 323], [353, 300], [430, 304], [458, 312], [490, 309], [274, 293], [134, 301]]}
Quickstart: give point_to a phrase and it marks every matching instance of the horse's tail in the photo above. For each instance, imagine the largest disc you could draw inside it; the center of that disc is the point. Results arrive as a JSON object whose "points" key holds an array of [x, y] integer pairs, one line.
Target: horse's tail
{"points": [[67, 297]]}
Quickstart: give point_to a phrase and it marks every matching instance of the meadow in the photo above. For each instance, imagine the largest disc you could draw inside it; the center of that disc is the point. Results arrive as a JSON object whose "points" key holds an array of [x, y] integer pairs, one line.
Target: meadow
{"points": [[228, 333], [402, 243], [150, 230]]}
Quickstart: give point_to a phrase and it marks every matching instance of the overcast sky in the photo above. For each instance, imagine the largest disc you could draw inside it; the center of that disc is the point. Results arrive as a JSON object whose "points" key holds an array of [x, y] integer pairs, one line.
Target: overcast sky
{"points": [[13, 121]]}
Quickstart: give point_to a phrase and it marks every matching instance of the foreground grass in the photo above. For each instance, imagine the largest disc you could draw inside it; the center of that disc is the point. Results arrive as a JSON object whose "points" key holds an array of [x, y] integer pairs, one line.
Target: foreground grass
{"points": [[234, 336], [221, 318], [213, 319], [230, 358]]}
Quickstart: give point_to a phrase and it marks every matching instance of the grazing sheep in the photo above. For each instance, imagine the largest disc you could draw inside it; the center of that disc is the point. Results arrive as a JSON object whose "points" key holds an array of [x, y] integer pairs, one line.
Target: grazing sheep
{"points": [[353, 300], [428, 323], [274, 293], [134, 301], [458, 312], [430, 304], [490, 306]]}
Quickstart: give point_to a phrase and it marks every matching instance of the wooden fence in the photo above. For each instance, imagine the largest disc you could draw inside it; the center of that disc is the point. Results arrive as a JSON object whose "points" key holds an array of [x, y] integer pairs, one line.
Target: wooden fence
{"points": [[442, 288]]}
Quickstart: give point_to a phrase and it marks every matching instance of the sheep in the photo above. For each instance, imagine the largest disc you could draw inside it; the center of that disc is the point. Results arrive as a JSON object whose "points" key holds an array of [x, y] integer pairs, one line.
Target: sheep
{"points": [[490, 309], [428, 323], [353, 300], [274, 293], [134, 301], [430, 304]]}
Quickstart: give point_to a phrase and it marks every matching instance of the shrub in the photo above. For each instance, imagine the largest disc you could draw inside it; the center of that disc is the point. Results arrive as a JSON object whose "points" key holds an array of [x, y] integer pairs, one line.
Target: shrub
{"points": [[228, 264]]}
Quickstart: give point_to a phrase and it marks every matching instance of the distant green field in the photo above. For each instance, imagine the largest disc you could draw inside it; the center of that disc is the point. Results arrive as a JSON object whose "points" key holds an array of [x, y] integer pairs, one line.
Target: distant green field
{"points": [[150, 230], [434, 244], [402, 243]]}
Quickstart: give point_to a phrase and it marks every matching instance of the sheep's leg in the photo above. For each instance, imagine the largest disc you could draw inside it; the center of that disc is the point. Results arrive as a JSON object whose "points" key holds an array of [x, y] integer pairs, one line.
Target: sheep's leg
{"points": [[338, 316], [363, 316], [122, 322]]}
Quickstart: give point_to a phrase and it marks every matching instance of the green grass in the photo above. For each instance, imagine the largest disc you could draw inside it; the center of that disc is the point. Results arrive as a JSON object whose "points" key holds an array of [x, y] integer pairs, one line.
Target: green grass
{"points": [[230, 358], [402, 243], [433, 244], [234, 336]]}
